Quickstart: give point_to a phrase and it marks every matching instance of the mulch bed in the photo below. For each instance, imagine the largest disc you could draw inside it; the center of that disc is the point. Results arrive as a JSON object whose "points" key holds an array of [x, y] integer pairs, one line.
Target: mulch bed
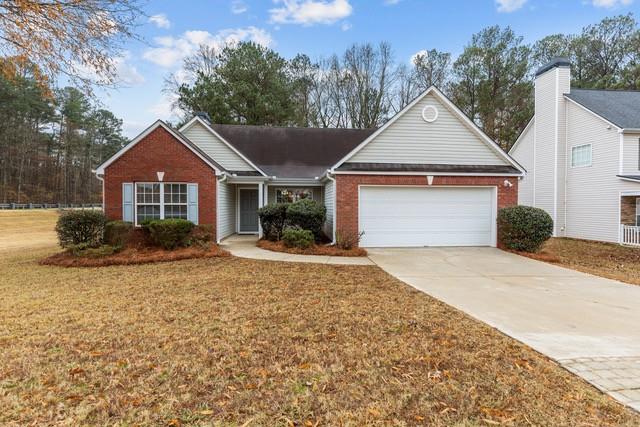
{"points": [[313, 250], [133, 256]]}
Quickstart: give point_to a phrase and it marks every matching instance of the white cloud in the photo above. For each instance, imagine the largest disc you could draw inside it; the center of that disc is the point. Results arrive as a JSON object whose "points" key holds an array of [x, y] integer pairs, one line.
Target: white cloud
{"points": [[171, 50], [238, 7], [125, 73], [391, 2], [310, 12], [160, 20], [345, 26], [163, 108], [508, 6], [609, 4]]}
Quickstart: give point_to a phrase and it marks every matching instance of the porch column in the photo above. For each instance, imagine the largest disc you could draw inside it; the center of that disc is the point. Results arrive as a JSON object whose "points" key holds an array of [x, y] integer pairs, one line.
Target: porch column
{"points": [[260, 204]]}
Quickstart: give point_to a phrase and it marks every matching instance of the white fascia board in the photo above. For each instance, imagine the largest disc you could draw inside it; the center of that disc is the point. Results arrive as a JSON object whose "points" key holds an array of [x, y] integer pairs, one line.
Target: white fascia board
{"points": [[221, 138], [524, 131], [295, 181], [422, 173], [630, 130], [593, 112], [454, 109], [158, 123], [637, 181]]}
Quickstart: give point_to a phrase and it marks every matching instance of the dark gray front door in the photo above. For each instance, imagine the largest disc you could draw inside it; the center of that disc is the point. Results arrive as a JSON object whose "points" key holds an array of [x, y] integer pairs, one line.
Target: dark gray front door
{"points": [[248, 211]]}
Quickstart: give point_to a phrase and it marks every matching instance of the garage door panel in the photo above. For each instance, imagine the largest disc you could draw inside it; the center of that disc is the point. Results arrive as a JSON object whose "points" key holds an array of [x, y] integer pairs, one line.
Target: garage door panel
{"points": [[426, 216]]}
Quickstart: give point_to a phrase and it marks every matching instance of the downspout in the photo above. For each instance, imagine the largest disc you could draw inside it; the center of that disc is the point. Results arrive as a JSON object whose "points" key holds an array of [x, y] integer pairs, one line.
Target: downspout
{"points": [[221, 180], [101, 178], [335, 198]]}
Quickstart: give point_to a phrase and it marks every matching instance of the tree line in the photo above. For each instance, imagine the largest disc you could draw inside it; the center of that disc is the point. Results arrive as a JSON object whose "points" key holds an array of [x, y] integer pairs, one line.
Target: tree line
{"points": [[491, 80], [51, 138]]}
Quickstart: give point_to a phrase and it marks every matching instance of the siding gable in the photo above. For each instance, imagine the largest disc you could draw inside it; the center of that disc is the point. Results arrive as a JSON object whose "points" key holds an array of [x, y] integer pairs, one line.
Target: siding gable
{"points": [[412, 140], [523, 151], [216, 148]]}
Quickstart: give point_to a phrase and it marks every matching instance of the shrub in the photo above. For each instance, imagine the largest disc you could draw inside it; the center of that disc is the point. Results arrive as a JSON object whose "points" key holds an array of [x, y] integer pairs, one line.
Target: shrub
{"points": [[82, 250], [118, 233], [297, 238], [201, 235], [273, 218], [169, 233], [307, 214], [348, 239], [524, 228], [79, 227]]}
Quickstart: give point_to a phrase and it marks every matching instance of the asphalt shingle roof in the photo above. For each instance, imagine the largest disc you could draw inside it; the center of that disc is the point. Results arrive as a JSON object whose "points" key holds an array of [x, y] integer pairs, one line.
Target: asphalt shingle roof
{"points": [[292, 152], [620, 107]]}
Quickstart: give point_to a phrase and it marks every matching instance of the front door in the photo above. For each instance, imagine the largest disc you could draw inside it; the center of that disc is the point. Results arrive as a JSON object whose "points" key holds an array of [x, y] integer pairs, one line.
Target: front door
{"points": [[248, 210]]}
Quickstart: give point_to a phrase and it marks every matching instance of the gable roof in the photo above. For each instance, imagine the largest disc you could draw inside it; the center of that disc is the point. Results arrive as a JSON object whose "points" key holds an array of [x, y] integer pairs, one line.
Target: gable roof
{"points": [[292, 152], [176, 134], [620, 107], [455, 110], [209, 127]]}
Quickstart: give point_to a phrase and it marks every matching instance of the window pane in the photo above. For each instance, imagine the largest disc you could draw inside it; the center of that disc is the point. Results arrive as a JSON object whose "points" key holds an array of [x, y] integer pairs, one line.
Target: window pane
{"points": [[581, 156], [290, 195], [144, 212], [175, 211]]}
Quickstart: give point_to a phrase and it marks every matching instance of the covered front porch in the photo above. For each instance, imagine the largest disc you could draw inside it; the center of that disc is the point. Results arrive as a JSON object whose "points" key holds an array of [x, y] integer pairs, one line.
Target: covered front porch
{"points": [[239, 199], [630, 219]]}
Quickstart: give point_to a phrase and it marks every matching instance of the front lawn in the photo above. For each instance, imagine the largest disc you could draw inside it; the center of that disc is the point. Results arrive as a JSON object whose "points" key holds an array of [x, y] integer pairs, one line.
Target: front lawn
{"points": [[228, 341], [598, 258]]}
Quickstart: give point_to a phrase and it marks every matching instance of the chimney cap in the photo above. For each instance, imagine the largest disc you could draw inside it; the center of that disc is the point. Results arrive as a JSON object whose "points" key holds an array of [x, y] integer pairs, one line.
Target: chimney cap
{"points": [[203, 115], [555, 62]]}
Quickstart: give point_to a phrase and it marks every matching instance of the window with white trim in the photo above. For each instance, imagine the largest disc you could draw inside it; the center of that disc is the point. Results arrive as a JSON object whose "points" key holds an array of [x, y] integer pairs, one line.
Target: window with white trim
{"points": [[290, 195], [581, 156], [159, 200]]}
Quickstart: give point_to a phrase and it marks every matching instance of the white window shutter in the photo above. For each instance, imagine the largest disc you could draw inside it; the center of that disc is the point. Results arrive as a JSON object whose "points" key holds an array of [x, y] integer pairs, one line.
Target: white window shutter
{"points": [[127, 202], [192, 203]]}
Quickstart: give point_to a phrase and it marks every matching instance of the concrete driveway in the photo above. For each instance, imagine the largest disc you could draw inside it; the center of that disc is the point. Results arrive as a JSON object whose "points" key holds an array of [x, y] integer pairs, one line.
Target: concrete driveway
{"points": [[588, 324]]}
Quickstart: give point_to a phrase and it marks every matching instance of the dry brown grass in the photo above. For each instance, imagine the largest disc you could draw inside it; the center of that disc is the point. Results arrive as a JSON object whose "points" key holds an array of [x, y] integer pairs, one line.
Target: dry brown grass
{"points": [[325, 250], [601, 259], [27, 229], [228, 341]]}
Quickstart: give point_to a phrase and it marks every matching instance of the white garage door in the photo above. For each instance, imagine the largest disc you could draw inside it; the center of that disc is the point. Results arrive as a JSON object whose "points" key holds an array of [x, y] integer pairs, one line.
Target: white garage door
{"points": [[427, 216]]}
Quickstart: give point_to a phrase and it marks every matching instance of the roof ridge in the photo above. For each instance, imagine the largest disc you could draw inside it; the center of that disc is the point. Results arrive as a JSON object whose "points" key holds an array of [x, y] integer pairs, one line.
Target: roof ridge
{"points": [[603, 90], [289, 127]]}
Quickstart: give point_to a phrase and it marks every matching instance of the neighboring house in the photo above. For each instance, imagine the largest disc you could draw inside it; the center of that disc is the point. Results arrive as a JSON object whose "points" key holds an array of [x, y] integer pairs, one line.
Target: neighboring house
{"points": [[581, 153], [428, 177]]}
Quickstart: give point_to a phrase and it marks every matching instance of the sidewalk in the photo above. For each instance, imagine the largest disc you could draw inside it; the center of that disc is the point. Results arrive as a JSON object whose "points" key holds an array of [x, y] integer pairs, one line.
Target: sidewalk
{"points": [[244, 246]]}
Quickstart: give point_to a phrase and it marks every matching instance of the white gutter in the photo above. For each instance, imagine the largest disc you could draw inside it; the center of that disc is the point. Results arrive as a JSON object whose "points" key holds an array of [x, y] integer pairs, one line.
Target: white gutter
{"points": [[335, 198]]}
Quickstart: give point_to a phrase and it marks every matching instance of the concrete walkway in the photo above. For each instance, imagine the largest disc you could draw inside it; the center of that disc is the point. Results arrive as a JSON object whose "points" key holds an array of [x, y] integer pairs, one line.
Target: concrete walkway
{"points": [[244, 246], [587, 324]]}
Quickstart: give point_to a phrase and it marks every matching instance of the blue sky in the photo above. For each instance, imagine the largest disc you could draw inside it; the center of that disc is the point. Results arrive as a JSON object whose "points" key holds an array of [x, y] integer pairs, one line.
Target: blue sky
{"points": [[320, 28]]}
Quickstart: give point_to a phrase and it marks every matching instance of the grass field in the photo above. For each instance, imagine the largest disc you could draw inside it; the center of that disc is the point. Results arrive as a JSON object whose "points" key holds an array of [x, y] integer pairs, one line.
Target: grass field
{"points": [[27, 229], [602, 259], [235, 342]]}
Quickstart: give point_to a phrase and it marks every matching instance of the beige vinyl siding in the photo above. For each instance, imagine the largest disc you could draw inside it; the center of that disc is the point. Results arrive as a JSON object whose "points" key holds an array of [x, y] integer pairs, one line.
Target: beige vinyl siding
{"points": [[411, 140], [630, 155], [545, 146], [523, 152], [226, 209], [593, 193], [271, 192], [216, 149], [329, 197], [564, 86]]}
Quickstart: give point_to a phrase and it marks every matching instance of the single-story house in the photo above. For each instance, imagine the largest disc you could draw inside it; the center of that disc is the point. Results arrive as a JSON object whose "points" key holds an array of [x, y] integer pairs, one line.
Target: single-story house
{"points": [[427, 177], [582, 154]]}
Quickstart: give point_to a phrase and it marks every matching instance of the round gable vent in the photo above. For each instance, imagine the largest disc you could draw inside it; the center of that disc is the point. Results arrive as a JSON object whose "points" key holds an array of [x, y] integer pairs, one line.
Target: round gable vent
{"points": [[430, 114]]}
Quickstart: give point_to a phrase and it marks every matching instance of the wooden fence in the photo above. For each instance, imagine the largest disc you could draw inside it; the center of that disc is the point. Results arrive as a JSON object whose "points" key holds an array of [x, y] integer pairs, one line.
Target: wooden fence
{"points": [[11, 206]]}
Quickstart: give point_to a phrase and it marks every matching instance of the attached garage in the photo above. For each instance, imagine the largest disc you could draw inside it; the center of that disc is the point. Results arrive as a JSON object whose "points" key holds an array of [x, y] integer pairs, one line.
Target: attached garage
{"points": [[416, 216]]}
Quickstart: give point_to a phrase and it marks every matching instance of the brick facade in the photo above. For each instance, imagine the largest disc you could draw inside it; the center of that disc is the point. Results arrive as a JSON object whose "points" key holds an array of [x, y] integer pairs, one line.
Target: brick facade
{"points": [[628, 210], [347, 191], [160, 152]]}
